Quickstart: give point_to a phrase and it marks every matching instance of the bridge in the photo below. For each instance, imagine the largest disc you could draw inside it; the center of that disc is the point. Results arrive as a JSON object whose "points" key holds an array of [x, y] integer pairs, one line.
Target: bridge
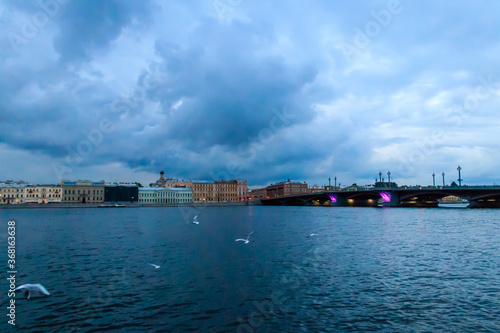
{"points": [[477, 196]]}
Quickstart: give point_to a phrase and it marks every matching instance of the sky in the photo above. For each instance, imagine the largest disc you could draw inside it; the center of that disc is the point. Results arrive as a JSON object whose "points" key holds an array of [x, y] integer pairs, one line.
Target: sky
{"points": [[262, 91]]}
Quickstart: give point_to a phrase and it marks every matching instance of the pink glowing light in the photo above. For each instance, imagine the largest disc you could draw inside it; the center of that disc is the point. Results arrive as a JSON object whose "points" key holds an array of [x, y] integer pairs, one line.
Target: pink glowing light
{"points": [[332, 198], [386, 197]]}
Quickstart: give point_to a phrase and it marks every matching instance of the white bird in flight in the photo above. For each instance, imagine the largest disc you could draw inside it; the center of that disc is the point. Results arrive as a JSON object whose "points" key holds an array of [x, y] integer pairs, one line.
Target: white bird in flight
{"points": [[244, 240], [195, 220], [33, 290], [312, 235], [158, 266]]}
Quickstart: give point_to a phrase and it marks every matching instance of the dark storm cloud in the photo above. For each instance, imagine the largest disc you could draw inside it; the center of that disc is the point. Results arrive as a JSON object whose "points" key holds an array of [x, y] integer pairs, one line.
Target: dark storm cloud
{"points": [[88, 26], [229, 90], [199, 93]]}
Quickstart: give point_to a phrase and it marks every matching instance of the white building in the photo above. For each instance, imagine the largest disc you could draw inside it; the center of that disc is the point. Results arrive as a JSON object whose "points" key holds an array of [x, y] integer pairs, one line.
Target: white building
{"points": [[12, 193], [182, 194], [165, 195]]}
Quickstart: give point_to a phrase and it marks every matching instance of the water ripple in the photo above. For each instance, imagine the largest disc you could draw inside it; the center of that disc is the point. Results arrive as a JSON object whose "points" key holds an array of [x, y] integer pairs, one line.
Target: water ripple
{"points": [[384, 270]]}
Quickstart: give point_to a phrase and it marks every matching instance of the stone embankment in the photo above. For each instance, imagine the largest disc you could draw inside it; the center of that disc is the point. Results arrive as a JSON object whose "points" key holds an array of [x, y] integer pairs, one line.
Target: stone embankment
{"points": [[126, 204]]}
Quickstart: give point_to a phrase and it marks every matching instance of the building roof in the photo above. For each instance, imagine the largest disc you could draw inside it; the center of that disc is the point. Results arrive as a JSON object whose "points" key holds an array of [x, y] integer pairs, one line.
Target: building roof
{"points": [[120, 184], [82, 183], [44, 185], [152, 189], [13, 185]]}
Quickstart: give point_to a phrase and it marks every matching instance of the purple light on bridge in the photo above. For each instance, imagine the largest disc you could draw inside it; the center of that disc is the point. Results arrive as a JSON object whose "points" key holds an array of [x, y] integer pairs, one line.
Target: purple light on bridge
{"points": [[332, 198], [386, 197]]}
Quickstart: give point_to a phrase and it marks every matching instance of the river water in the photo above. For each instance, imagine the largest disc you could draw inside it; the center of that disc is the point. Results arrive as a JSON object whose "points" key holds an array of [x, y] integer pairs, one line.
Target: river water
{"points": [[367, 269]]}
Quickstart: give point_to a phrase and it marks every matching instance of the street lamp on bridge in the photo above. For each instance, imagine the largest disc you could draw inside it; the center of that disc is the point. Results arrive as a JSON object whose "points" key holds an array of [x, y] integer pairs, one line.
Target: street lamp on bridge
{"points": [[433, 179], [443, 177], [380, 175], [388, 176], [459, 178], [335, 182]]}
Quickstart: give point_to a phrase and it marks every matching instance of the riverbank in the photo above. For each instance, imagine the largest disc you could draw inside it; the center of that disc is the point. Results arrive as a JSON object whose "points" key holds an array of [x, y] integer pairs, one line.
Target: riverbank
{"points": [[126, 205]]}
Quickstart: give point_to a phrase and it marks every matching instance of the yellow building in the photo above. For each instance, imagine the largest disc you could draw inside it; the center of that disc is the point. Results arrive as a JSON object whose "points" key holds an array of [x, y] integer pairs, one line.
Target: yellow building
{"points": [[203, 191], [12, 194], [82, 191], [217, 191], [43, 193], [225, 191]]}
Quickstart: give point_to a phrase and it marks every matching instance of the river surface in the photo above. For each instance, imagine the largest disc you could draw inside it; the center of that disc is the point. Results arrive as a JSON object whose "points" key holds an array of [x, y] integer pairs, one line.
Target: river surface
{"points": [[367, 269]]}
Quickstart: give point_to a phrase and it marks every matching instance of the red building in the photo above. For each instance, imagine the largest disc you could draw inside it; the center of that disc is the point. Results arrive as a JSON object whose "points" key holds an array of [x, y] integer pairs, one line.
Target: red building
{"points": [[258, 194], [285, 189]]}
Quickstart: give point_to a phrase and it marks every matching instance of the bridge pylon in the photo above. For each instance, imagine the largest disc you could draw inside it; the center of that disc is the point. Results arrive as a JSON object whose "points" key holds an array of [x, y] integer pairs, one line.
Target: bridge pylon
{"points": [[390, 198]]}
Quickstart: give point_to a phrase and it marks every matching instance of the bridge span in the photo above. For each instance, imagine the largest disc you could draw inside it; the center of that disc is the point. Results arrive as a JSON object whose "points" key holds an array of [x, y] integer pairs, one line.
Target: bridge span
{"points": [[477, 196]]}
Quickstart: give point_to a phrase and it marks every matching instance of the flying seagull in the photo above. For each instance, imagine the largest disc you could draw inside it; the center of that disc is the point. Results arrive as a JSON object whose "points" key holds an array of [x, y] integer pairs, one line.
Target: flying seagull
{"points": [[33, 290], [158, 266], [312, 235], [244, 240], [195, 220]]}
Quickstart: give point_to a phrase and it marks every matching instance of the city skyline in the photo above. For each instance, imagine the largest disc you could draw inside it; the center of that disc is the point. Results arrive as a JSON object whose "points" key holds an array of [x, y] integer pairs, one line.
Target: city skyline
{"points": [[303, 90], [331, 182]]}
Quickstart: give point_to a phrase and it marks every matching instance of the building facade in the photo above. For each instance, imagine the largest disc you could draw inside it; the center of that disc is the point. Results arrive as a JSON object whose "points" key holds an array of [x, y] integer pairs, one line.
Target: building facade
{"points": [[11, 194], [43, 194], [82, 191], [212, 191], [317, 189], [152, 195], [203, 191], [242, 190], [225, 191], [287, 188], [121, 192], [182, 195], [258, 194], [158, 195]]}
